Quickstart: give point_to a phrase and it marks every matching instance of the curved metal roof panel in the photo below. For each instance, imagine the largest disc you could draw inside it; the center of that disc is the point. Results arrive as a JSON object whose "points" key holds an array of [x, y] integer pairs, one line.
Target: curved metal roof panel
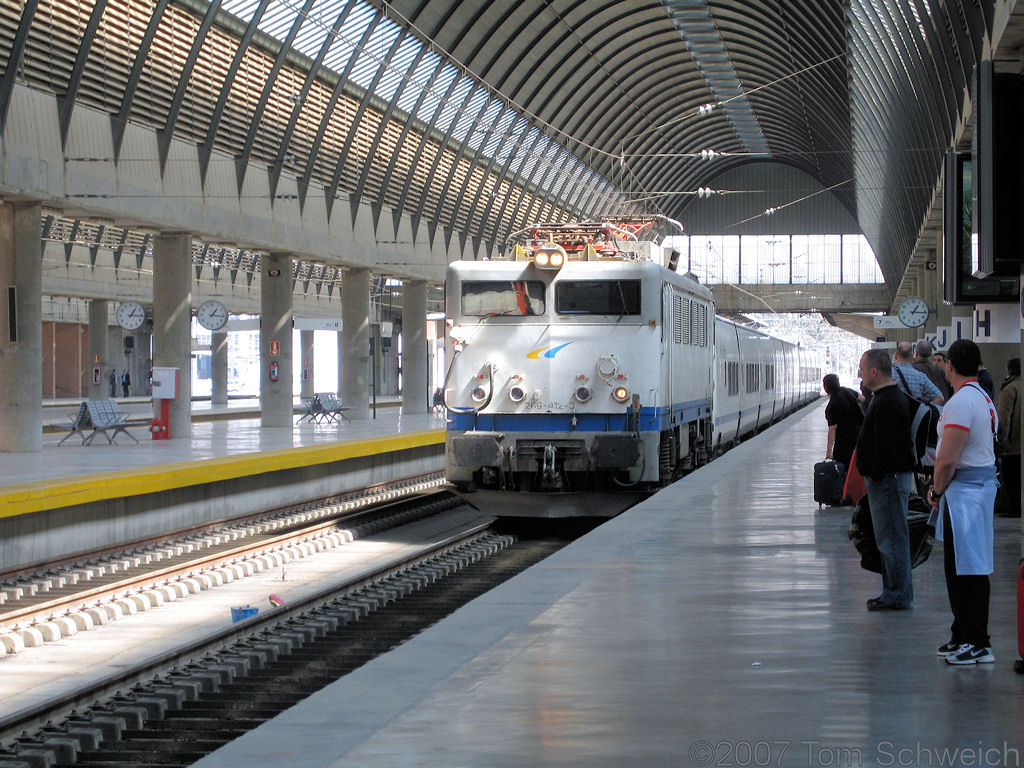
{"points": [[476, 117]]}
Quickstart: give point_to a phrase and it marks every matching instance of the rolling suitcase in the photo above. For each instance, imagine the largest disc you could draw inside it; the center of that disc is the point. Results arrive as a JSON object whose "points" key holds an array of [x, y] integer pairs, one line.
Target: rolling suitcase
{"points": [[828, 482]]}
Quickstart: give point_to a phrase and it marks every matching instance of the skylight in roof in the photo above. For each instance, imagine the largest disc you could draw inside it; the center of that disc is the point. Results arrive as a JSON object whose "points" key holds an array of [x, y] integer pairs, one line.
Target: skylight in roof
{"points": [[468, 110]]}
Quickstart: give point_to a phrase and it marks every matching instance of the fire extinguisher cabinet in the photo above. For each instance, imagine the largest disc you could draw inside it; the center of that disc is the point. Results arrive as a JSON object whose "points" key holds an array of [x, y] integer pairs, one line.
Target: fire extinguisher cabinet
{"points": [[165, 389]]}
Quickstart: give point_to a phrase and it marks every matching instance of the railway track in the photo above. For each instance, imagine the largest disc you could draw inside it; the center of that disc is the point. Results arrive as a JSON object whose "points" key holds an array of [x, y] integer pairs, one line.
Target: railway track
{"points": [[77, 595], [183, 705]]}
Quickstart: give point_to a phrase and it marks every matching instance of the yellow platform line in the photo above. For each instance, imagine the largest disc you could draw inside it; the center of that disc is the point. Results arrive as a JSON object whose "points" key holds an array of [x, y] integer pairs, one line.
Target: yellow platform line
{"points": [[41, 495]]}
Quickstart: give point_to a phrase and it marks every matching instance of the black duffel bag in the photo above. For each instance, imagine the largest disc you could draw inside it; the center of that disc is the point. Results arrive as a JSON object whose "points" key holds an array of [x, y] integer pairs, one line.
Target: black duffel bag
{"points": [[862, 534]]}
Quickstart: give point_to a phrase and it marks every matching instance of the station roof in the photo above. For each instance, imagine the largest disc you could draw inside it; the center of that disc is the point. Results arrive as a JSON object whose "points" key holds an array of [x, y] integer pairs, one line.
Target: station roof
{"points": [[476, 118]]}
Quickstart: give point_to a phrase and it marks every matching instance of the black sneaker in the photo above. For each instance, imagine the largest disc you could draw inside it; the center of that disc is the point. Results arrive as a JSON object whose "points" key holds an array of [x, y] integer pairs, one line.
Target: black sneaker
{"points": [[970, 654], [881, 605], [947, 648]]}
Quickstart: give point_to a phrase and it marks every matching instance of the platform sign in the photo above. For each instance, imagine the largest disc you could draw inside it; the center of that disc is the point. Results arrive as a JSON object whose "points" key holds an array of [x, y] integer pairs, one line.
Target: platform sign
{"points": [[1022, 300], [888, 321], [996, 324], [963, 328], [941, 339]]}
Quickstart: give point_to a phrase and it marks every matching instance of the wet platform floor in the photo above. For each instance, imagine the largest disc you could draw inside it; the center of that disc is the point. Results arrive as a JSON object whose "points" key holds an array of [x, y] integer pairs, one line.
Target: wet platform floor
{"points": [[722, 622]]}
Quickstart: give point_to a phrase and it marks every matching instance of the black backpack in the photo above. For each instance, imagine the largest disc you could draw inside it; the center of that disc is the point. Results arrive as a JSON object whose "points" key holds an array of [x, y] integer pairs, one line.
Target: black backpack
{"points": [[924, 428], [862, 533]]}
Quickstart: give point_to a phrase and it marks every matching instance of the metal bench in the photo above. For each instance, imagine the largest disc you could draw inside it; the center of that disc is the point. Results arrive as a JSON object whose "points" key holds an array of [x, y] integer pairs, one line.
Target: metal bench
{"points": [[331, 407], [106, 415], [311, 413], [79, 423]]}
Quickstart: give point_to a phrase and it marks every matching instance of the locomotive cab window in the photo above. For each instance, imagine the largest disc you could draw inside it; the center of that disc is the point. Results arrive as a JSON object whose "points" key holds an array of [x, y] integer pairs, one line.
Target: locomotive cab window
{"points": [[488, 298], [597, 297]]}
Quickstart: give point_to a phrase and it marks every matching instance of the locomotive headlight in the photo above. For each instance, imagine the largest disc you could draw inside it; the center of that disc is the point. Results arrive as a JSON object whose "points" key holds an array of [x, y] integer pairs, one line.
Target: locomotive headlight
{"points": [[549, 256], [583, 394], [479, 394], [621, 394], [516, 394]]}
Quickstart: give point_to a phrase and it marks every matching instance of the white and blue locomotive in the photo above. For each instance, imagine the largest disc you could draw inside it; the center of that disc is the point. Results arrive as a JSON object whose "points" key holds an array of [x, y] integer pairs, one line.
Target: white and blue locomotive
{"points": [[584, 374]]}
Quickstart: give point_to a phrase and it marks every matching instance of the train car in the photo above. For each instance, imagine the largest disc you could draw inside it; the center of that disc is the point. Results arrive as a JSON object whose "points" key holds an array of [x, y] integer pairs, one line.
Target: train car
{"points": [[758, 380], [583, 371]]}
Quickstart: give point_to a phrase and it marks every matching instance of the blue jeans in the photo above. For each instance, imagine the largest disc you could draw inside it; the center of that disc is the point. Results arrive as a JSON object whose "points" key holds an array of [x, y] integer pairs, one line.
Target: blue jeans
{"points": [[888, 500]]}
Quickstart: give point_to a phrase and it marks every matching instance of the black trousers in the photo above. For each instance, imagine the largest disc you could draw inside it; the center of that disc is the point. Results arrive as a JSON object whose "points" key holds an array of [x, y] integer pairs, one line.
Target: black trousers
{"points": [[1010, 481], [968, 596]]}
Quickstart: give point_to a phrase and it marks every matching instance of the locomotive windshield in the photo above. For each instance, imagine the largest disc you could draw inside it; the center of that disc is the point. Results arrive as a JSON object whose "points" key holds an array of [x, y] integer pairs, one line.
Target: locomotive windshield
{"points": [[486, 298], [597, 297]]}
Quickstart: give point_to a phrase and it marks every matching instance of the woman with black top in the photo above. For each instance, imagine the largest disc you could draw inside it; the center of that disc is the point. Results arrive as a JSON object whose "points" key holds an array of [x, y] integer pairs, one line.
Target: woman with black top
{"points": [[844, 417]]}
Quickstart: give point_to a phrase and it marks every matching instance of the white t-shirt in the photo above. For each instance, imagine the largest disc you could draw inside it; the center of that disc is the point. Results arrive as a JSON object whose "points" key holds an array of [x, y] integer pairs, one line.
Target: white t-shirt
{"points": [[970, 409]]}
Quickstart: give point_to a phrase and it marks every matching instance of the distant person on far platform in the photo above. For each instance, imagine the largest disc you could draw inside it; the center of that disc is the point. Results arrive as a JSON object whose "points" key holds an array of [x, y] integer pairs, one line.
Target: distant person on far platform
{"points": [[113, 382], [844, 417], [911, 380], [126, 382], [1009, 439], [923, 353]]}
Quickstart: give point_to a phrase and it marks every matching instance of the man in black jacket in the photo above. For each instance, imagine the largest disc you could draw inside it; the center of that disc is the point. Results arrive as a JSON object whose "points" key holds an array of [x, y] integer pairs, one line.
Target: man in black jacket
{"points": [[885, 456]]}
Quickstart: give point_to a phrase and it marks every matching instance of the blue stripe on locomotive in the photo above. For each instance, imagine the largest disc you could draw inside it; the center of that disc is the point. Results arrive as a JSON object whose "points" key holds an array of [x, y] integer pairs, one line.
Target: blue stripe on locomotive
{"points": [[651, 420]]}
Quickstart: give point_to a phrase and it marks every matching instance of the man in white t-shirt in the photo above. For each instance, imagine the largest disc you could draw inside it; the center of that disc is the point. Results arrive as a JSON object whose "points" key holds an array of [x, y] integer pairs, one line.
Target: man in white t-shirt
{"points": [[964, 493]]}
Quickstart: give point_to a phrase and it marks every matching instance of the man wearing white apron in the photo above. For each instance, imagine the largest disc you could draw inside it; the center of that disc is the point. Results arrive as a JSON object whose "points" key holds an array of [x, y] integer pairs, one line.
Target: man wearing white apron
{"points": [[963, 495]]}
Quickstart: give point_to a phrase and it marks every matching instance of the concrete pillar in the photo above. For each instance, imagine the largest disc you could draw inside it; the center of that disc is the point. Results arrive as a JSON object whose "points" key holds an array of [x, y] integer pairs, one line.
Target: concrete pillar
{"points": [[219, 366], [21, 328], [172, 322], [341, 361], [415, 355], [99, 351], [355, 343], [276, 396], [306, 363]]}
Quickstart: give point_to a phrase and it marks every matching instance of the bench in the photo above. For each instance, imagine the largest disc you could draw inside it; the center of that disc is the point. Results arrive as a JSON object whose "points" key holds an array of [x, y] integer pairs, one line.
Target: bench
{"points": [[101, 416], [324, 406], [332, 407], [106, 414], [311, 411], [79, 423]]}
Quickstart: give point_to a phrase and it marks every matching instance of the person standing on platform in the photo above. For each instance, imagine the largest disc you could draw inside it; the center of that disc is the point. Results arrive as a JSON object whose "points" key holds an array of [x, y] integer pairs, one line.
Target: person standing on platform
{"points": [[1009, 437], [885, 457], [923, 362], [113, 382], [844, 417], [911, 380], [126, 382], [964, 494], [987, 382]]}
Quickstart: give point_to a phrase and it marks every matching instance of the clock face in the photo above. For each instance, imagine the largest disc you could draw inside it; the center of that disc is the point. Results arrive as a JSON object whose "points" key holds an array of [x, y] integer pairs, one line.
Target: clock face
{"points": [[212, 315], [131, 315], [913, 312]]}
